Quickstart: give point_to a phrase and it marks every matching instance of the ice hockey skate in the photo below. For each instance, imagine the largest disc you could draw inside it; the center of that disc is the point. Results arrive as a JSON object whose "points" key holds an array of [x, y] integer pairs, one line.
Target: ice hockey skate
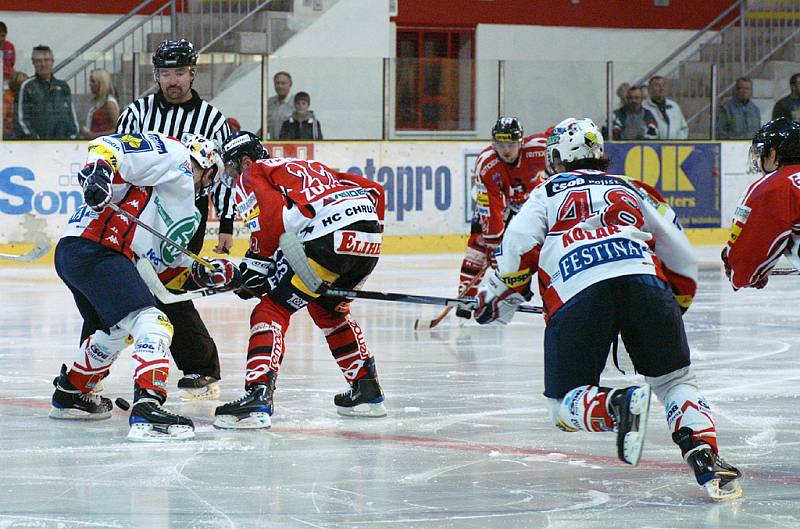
{"points": [[252, 411], [630, 407], [70, 403], [150, 422], [198, 387], [718, 478], [363, 399]]}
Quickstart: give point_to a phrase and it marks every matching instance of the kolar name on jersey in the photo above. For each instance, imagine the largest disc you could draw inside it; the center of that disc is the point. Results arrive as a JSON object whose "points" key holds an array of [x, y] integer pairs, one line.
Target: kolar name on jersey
{"points": [[591, 255], [579, 234]]}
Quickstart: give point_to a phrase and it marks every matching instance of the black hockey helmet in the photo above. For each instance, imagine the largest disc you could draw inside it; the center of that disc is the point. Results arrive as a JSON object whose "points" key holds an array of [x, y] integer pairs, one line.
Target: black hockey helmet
{"points": [[175, 54], [242, 143], [507, 129], [781, 134]]}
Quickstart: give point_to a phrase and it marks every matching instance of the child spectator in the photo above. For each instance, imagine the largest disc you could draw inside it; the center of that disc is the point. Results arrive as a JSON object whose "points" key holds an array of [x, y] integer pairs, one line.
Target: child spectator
{"points": [[302, 124]]}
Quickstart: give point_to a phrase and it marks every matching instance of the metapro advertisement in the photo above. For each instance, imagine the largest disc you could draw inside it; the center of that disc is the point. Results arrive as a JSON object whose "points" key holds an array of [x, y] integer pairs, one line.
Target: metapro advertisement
{"points": [[687, 174]]}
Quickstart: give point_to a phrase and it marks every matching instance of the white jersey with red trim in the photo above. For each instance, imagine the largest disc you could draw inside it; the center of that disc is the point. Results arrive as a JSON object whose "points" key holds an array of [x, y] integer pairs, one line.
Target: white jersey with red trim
{"points": [[153, 181], [583, 227]]}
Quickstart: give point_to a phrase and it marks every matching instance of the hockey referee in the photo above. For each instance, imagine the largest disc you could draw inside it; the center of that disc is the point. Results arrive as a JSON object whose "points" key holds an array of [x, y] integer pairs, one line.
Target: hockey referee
{"points": [[176, 109]]}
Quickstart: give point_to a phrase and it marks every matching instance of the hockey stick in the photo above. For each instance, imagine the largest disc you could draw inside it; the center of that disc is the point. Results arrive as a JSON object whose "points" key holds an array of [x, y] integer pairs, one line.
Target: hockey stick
{"points": [[161, 292], [784, 272], [293, 252], [36, 253], [133, 218], [426, 325]]}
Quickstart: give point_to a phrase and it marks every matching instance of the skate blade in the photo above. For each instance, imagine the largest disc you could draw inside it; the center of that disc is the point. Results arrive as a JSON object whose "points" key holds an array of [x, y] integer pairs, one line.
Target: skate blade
{"points": [[251, 422], [730, 491], [363, 410], [634, 441], [77, 415], [142, 432], [210, 392]]}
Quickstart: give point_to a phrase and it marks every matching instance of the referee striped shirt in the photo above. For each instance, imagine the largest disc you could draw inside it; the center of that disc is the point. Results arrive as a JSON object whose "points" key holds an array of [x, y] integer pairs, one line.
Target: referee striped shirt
{"points": [[153, 113]]}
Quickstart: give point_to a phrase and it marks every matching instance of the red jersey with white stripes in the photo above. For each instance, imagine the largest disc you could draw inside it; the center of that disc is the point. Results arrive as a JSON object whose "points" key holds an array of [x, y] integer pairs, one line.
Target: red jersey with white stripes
{"points": [[766, 224], [305, 197], [503, 188]]}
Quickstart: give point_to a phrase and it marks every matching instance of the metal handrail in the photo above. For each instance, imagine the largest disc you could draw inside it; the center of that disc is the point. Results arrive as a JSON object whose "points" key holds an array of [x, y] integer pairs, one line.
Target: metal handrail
{"points": [[755, 65], [100, 36], [683, 47]]}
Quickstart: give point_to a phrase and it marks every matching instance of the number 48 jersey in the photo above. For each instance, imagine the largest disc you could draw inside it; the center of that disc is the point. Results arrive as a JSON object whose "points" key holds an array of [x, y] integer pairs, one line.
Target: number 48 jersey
{"points": [[583, 227]]}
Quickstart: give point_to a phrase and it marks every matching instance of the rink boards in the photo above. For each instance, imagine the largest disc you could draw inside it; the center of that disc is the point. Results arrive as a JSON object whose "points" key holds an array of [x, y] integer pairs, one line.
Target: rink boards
{"points": [[427, 185]]}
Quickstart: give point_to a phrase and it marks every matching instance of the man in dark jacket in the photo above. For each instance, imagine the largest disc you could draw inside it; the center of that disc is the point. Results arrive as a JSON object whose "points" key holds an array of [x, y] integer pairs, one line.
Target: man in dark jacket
{"points": [[43, 106], [302, 125]]}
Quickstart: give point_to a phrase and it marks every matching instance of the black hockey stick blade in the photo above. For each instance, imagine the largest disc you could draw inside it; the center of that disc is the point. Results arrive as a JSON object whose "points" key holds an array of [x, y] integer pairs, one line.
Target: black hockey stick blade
{"points": [[36, 253]]}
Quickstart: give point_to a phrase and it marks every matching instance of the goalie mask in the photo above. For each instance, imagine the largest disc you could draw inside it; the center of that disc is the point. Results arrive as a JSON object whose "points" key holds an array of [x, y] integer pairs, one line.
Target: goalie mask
{"points": [[571, 140], [781, 134], [207, 155]]}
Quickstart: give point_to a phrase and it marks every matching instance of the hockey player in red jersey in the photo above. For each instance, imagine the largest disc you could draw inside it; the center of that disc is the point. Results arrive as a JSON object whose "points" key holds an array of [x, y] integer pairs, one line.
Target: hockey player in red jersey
{"points": [[609, 262], [505, 174], [154, 178], [338, 217], [766, 221]]}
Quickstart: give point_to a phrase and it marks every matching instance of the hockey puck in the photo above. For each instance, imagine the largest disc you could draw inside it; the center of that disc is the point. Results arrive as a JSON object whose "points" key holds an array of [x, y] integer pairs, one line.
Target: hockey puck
{"points": [[122, 403]]}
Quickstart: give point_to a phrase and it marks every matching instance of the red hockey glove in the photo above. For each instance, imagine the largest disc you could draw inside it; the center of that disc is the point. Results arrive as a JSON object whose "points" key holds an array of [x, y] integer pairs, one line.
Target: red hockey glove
{"points": [[225, 274]]}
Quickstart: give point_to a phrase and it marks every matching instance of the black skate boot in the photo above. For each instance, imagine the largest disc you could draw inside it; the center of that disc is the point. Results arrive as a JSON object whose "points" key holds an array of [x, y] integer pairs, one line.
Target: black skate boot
{"points": [[198, 387], [464, 313], [150, 422], [70, 403], [253, 410], [629, 408], [720, 479], [365, 396]]}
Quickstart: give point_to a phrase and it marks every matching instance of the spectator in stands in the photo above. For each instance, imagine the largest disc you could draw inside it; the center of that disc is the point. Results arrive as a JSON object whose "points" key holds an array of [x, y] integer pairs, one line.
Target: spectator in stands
{"points": [[669, 118], [302, 124], [279, 106], [9, 53], [622, 93], [739, 118], [102, 118], [632, 121], [789, 106], [44, 104], [9, 96], [233, 124]]}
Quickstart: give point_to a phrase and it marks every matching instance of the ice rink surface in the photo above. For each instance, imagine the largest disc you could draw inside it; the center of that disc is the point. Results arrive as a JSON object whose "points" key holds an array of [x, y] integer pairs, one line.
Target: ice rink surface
{"points": [[467, 443]]}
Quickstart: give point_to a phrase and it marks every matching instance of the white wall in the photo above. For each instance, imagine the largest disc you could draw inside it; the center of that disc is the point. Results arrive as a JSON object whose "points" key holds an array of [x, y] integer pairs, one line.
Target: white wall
{"points": [[63, 32], [338, 61]]}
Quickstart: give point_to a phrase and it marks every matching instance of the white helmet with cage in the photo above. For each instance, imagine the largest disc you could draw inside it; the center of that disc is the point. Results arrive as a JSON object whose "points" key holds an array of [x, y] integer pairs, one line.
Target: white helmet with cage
{"points": [[573, 139], [207, 154]]}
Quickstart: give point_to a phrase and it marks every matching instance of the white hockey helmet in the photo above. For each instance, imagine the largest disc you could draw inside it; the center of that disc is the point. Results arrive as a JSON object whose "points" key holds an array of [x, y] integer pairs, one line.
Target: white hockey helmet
{"points": [[206, 153], [573, 139]]}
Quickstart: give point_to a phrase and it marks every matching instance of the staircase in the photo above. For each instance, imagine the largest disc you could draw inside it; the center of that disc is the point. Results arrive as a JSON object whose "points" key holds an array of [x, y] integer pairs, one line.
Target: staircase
{"points": [[759, 39], [227, 33]]}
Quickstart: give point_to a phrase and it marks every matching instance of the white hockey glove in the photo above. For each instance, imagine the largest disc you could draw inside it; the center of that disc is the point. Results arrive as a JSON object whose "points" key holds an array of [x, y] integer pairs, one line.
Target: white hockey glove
{"points": [[496, 302], [224, 275], [255, 272]]}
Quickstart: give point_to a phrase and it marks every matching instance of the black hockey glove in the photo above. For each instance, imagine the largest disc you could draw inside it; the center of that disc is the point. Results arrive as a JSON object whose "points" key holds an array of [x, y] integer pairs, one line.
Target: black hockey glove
{"points": [[255, 272], [95, 179]]}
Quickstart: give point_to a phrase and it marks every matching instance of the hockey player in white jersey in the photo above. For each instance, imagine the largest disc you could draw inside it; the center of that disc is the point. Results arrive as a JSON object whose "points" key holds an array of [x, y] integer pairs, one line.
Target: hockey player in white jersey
{"points": [[611, 261], [155, 178]]}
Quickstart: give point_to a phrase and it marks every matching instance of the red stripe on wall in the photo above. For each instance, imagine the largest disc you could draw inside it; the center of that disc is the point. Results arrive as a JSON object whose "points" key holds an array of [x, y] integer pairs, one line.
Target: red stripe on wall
{"points": [[635, 14], [117, 7]]}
